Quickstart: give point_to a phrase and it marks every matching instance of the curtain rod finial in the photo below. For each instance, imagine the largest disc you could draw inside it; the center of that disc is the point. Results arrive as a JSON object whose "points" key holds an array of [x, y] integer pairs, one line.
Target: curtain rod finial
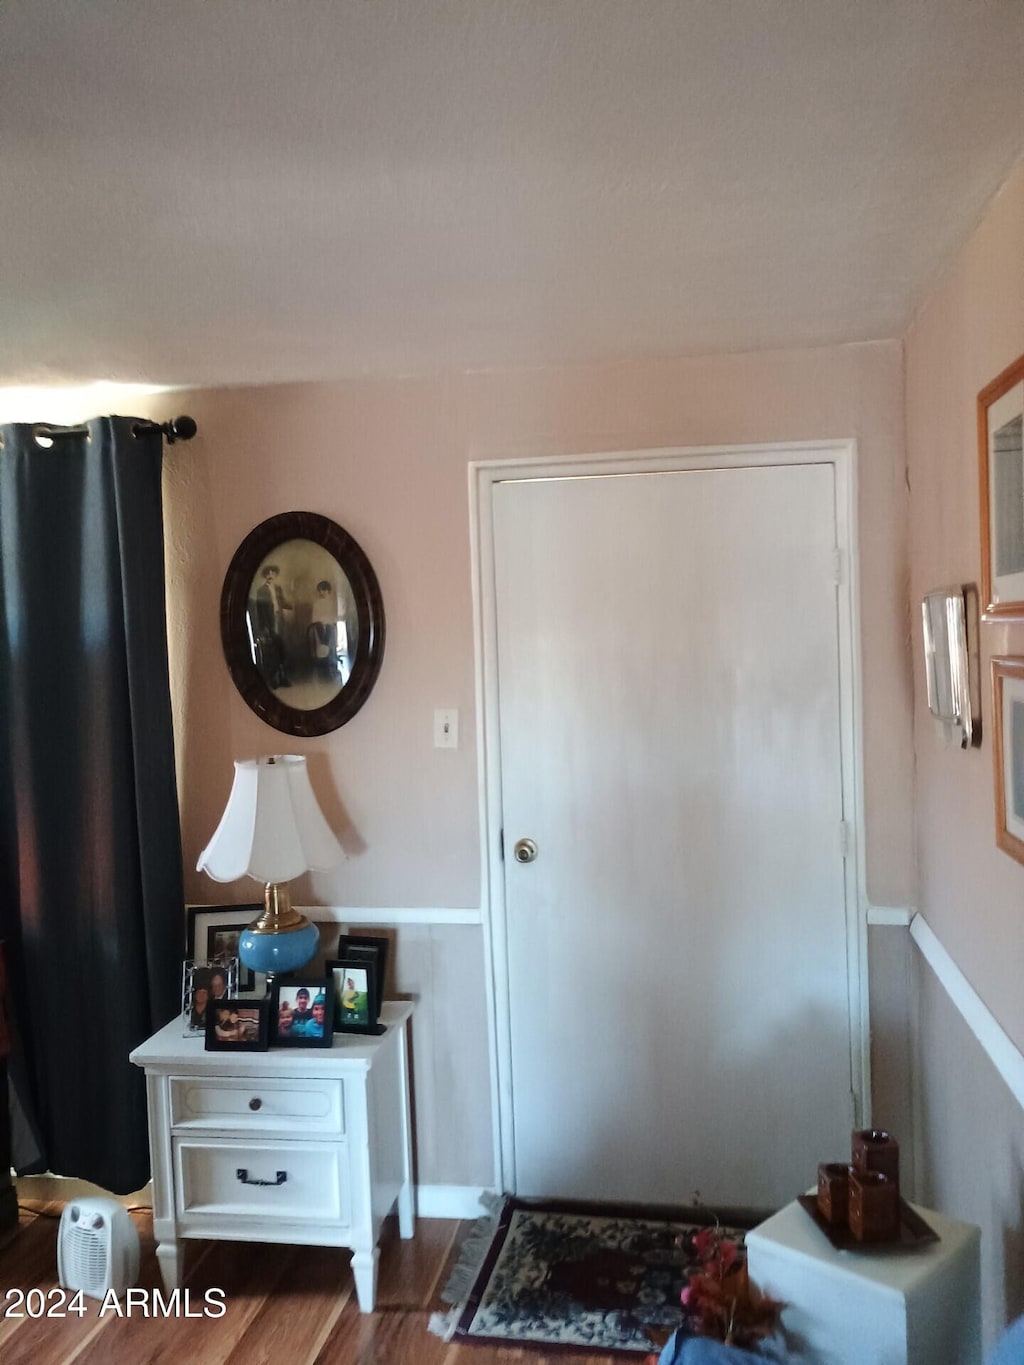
{"points": [[180, 429]]}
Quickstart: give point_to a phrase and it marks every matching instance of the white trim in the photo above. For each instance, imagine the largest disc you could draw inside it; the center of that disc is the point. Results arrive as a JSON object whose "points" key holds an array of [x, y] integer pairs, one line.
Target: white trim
{"points": [[450, 1201], [483, 476], [488, 800], [844, 455], [1002, 1052], [385, 914], [898, 917]]}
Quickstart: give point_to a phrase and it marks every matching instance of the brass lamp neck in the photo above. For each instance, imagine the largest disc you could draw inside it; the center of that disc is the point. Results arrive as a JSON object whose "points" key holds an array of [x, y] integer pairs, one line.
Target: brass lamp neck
{"points": [[278, 915]]}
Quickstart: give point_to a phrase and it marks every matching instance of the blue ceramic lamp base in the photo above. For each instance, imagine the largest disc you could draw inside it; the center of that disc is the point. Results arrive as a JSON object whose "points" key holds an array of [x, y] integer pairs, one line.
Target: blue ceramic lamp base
{"points": [[281, 940]]}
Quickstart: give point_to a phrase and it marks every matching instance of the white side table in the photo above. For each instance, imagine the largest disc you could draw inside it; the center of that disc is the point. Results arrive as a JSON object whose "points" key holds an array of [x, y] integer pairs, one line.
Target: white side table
{"points": [[305, 1146], [916, 1307]]}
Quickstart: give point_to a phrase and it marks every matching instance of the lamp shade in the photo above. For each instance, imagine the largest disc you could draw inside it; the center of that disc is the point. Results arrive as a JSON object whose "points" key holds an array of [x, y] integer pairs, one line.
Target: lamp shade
{"points": [[272, 828]]}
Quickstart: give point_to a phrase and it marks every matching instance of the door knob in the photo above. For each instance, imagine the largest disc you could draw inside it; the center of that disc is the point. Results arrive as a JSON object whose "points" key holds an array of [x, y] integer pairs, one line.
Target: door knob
{"points": [[525, 851]]}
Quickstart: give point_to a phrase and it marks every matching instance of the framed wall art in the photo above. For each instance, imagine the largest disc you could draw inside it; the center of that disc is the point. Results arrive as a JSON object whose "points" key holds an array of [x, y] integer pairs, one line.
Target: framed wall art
{"points": [[1008, 720], [1001, 469], [950, 621], [212, 937], [302, 623]]}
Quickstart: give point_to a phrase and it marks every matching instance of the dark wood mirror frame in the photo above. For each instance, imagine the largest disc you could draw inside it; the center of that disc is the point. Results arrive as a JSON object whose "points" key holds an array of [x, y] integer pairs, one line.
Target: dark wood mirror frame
{"points": [[234, 600]]}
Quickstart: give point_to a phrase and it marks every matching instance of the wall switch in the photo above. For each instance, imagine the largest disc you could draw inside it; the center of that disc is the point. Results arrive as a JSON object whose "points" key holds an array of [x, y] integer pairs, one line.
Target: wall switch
{"points": [[446, 729]]}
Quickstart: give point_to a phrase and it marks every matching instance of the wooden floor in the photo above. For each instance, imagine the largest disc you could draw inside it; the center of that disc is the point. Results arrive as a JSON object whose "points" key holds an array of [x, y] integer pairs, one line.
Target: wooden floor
{"points": [[285, 1306]]}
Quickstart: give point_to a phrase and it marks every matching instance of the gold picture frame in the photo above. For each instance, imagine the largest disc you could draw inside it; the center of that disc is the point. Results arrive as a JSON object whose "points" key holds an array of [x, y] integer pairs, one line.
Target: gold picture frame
{"points": [[1001, 472], [1008, 724]]}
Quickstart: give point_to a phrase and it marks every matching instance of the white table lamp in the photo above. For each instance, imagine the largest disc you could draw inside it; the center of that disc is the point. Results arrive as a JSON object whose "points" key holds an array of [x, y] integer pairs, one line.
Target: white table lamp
{"points": [[272, 830]]}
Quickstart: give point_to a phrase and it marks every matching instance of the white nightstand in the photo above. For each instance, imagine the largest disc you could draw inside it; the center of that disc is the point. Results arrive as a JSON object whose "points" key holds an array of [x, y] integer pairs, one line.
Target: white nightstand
{"points": [[305, 1146], [884, 1307]]}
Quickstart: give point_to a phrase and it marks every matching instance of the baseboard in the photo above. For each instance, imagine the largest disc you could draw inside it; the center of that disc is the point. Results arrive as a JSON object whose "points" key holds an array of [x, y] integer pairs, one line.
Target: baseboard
{"points": [[450, 1201]]}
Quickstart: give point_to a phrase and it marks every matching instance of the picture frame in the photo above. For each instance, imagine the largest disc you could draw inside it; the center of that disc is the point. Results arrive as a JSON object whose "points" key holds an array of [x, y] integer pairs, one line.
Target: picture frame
{"points": [[304, 548], [1001, 474], [354, 989], [238, 1024], [212, 934], [369, 947], [949, 619], [199, 987], [1008, 723], [290, 998]]}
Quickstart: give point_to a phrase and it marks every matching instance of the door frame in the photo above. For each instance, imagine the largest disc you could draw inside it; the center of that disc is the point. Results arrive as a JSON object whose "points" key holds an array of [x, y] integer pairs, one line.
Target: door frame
{"points": [[484, 476]]}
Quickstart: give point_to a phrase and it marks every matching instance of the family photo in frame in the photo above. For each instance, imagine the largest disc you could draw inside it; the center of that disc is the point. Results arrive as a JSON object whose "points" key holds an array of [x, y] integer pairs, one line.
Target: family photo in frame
{"points": [[354, 992], [201, 986], [237, 1025], [371, 950], [302, 1013]]}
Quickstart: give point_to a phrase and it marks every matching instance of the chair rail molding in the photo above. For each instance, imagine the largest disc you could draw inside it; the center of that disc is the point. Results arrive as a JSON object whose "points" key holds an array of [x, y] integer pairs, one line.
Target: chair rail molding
{"points": [[892, 916], [388, 914], [1002, 1051]]}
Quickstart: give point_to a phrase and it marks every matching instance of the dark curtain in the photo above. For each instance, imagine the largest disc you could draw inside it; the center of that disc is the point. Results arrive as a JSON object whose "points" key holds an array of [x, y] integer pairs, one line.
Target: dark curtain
{"points": [[90, 852]]}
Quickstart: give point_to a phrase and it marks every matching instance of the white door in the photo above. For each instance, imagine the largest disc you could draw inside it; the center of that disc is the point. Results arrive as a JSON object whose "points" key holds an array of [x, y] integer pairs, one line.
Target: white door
{"points": [[669, 711]]}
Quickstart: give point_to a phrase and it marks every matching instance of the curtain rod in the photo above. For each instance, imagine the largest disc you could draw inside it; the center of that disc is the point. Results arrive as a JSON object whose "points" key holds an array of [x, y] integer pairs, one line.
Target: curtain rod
{"points": [[177, 429]]}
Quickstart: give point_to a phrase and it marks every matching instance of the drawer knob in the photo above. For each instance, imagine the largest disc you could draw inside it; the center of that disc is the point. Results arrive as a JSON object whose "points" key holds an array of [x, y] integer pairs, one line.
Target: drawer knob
{"points": [[255, 1103], [243, 1175]]}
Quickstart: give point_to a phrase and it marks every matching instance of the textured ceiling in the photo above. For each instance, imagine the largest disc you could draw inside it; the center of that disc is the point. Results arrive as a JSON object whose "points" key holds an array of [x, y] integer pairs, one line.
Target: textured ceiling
{"points": [[208, 191]]}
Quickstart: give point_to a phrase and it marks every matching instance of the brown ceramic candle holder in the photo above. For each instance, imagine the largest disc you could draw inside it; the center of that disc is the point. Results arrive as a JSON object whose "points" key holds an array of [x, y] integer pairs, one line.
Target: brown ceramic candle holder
{"points": [[876, 1150], [834, 1192], [874, 1208]]}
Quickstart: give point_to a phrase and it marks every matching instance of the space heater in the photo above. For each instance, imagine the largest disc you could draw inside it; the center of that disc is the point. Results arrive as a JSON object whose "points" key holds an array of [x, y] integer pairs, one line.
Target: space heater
{"points": [[97, 1248]]}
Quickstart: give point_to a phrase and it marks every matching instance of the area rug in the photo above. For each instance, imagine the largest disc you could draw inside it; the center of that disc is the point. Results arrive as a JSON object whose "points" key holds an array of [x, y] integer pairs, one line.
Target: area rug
{"points": [[574, 1277]]}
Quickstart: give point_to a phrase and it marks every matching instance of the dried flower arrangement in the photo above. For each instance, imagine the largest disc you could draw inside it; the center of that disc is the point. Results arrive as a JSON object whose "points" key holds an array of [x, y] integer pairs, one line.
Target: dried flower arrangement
{"points": [[719, 1300]]}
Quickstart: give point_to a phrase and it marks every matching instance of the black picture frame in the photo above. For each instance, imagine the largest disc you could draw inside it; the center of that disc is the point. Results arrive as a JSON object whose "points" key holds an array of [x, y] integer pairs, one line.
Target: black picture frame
{"points": [[360, 971], [254, 1015], [283, 993], [206, 922], [371, 947], [252, 655]]}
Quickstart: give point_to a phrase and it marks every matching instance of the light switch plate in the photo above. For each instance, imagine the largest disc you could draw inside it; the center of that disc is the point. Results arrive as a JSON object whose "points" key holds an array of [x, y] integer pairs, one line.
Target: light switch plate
{"points": [[446, 729]]}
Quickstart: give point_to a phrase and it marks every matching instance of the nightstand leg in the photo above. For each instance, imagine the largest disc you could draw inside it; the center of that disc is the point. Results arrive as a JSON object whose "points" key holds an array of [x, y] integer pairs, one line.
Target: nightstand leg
{"points": [[168, 1255], [406, 1212], [406, 1202], [364, 1268]]}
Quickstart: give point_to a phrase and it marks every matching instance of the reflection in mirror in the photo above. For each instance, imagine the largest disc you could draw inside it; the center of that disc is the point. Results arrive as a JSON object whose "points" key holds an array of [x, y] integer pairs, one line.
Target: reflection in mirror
{"points": [[302, 624]]}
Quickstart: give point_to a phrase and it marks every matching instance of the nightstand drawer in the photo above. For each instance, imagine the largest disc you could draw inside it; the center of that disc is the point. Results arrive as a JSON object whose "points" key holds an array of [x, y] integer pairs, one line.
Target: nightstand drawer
{"points": [[292, 1107], [293, 1181]]}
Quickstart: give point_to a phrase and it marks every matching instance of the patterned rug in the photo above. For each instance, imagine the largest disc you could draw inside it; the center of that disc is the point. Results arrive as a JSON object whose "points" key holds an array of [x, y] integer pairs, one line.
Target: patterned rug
{"points": [[573, 1276]]}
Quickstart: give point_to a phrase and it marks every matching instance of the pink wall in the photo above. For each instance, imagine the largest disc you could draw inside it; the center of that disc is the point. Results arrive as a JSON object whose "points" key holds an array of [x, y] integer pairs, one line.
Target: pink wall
{"points": [[971, 1154], [971, 328], [388, 460]]}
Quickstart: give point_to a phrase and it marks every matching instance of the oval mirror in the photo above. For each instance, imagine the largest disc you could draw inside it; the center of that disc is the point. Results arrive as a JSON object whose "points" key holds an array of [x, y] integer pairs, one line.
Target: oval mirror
{"points": [[302, 623]]}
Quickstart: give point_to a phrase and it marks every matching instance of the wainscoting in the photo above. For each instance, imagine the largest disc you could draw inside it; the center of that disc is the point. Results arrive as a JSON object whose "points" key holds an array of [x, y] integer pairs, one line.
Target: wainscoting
{"points": [[970, 1139]]}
